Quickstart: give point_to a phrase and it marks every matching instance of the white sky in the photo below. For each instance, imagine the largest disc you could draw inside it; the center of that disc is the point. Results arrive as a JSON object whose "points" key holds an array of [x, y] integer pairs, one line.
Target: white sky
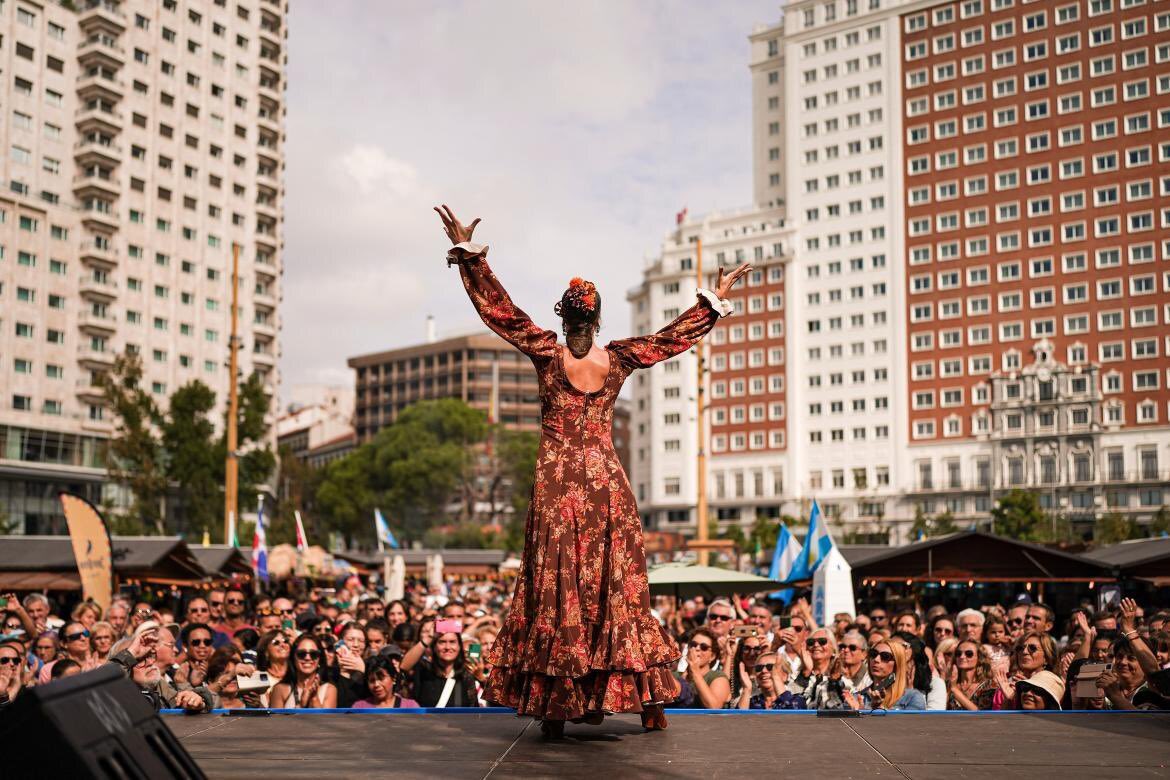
{"points": [[575, 130]]}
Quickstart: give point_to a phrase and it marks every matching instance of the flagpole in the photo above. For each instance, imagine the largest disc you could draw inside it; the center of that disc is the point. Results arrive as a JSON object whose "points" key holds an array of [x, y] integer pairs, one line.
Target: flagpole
{"points": [[231, 486], [701, 461]]}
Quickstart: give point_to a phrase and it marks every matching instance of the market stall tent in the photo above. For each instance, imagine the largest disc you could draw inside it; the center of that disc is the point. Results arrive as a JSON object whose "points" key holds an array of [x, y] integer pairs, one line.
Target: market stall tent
{"points": [[47, 562]]}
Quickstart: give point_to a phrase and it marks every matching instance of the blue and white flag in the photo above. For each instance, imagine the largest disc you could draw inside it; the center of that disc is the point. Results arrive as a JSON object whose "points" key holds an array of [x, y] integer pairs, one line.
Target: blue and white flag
{"points": [[382, 531], [816, 545], [783, 562], [785, 557], [260, 544]]}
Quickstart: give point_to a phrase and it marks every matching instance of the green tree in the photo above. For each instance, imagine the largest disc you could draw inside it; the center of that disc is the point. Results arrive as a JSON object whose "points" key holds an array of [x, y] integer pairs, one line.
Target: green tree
{"points": [[428, 462], [936, 525], [1160, 524], [258, 461], [188, 436], [136, 460], [1018, 515], [414, 470], [1114, 527], [346, 497], [296, 490], [765, 531]]}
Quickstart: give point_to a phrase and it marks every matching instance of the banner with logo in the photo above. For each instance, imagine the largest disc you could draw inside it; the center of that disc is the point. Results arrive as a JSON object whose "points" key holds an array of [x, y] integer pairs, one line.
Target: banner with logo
{"points": [[91, 548]]}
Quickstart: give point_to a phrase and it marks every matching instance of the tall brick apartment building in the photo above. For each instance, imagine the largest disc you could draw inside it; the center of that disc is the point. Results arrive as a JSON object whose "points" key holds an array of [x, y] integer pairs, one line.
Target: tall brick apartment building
{"points": [[975, 194]]}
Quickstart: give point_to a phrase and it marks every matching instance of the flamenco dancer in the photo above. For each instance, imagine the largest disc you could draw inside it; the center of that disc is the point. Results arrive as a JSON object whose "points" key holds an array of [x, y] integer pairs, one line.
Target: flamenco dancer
{"points": [[580, 641]]}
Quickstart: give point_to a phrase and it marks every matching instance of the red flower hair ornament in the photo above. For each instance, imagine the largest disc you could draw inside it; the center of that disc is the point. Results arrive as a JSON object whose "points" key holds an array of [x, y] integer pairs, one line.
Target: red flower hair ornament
{"points": [[581, 296]]}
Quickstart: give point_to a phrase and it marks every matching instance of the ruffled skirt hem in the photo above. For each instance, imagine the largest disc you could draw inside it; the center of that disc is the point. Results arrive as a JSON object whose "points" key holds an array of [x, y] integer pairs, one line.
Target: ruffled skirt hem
{"points": [[565, 698]]}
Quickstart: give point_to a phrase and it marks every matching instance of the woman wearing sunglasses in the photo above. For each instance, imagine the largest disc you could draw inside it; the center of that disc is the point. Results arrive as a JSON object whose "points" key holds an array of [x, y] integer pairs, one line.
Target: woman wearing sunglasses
{"points": [[819, 678], [75, 638], [1033, 652], [969, 682], [764, 686], [711, 688], [747, 651], [273, 654], [303, 686], [853, 654], [197, 642], [11, 672], [892, 672]]}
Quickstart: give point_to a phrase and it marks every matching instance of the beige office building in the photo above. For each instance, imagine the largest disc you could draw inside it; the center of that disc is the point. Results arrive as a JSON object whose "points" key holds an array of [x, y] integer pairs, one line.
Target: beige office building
{"points": [[480, 369], [141, 141]]}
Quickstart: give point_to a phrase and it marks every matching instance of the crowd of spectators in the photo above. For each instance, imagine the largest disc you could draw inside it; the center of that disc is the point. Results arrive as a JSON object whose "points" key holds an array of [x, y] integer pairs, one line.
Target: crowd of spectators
{"points": [[346, 647], [739, 654]]}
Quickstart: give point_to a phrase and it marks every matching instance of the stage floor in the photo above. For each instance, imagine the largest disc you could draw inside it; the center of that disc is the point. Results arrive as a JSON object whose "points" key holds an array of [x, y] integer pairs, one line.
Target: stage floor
{"points": [[741, 746]]}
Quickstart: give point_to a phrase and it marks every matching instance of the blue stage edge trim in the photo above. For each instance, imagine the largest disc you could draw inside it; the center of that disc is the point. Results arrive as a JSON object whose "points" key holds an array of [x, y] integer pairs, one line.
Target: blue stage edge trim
{"points": [[671, 713]]}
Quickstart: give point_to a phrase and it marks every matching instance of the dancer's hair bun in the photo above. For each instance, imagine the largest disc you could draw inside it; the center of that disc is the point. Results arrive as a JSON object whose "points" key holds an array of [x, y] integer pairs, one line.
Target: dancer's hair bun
{"points": [[581, 301]]}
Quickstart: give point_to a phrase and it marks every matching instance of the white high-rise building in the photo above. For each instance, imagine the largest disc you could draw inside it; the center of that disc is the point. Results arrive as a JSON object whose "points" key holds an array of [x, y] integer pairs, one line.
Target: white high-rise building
{"points": [[141, 141], [845, 284], [970, 312], [745, 368]]}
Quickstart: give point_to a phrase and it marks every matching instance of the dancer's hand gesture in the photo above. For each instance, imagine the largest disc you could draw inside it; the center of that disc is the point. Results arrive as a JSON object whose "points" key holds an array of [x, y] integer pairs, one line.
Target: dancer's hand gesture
{"points": [[724, 284], [455, 229]]}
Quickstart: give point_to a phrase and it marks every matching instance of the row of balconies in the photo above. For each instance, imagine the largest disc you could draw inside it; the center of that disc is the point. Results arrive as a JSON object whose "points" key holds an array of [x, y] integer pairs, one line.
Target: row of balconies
{"points": [[100, 57], [1004, 482]]}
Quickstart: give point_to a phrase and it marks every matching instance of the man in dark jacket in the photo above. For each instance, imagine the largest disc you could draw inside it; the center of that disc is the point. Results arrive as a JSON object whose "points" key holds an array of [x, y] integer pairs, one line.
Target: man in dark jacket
{"points": [[139, 663]]}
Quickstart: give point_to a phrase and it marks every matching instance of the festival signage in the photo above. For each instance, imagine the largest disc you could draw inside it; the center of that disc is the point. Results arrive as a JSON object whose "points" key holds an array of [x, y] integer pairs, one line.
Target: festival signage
{"points": [[832, 590], [91, 548]]}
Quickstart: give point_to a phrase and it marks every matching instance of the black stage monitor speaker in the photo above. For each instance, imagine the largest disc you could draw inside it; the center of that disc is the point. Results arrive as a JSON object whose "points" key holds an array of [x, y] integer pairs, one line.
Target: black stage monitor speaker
{"points": [[96, 724]]}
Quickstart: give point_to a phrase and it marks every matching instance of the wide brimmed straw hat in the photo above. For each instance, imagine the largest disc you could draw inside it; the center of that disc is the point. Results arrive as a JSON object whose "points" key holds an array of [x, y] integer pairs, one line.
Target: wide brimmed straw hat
{"points": [[1045, 682]]}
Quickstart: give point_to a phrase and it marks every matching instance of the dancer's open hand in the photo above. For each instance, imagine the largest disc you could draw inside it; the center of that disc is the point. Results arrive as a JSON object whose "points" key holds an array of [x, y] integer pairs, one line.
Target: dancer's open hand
{"points": [[455, 229], [725, 283]]}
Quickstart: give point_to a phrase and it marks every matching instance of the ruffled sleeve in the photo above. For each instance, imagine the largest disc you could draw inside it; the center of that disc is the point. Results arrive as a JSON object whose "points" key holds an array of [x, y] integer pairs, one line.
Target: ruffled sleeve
{"points": [[675, 338], [495, 306]]}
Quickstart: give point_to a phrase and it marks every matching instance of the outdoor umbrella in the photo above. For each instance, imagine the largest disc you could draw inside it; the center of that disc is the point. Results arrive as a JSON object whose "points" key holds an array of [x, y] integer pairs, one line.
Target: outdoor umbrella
{"points": [[683, 580]]}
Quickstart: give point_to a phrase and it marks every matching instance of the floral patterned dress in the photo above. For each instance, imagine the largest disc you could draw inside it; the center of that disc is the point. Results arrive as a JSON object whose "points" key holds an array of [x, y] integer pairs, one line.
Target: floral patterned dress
{"points": [[580, 637]]}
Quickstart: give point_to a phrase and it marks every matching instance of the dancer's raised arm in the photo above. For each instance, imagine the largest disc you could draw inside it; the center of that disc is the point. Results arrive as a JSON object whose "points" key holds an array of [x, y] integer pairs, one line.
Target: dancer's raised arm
{"points": [[489, 297], [685, 331]]}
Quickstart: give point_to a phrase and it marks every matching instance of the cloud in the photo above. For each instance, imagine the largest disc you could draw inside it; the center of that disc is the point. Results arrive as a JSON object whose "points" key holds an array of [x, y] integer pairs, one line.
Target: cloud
{"points": [[575, 130], [371, 168]]}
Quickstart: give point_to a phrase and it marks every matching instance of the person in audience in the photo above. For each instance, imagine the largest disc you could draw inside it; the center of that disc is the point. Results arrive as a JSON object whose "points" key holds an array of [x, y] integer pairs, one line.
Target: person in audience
{"points": [[66, 667], [908, 622], [970, 624], [819, 680], [87, 613], [1015, 620], [765, 686], [382, 675], [12, 672], [46, 647], [442, 679], [854, 669], [101, 639], [304, 685], [970, 685], [892, 672], [967, 662], [705, 686], [940, 627], [197, 642]]}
